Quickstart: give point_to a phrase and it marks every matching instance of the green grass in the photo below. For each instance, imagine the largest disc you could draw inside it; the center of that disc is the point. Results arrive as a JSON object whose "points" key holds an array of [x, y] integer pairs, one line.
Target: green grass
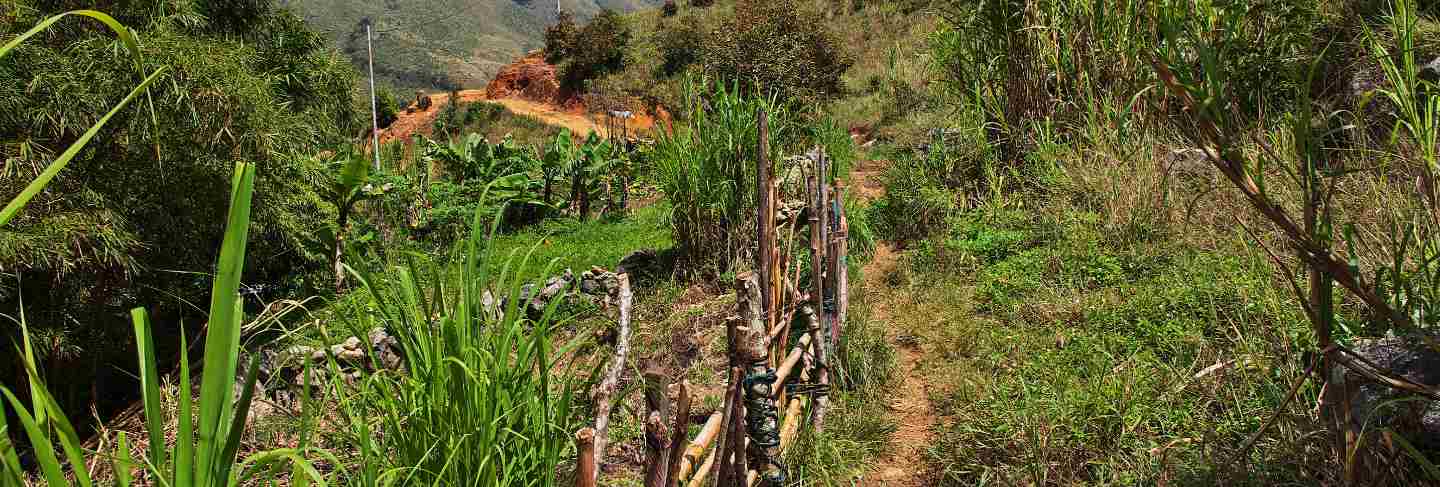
{"points": [[579, 245], [1068, 359]]}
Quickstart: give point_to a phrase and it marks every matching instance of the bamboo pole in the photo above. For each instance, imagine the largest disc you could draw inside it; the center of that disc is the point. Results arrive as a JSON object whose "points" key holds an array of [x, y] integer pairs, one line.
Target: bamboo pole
{"points": [[585, 471], [700, 475], [680, 433], [699, 445], [612, 377]]}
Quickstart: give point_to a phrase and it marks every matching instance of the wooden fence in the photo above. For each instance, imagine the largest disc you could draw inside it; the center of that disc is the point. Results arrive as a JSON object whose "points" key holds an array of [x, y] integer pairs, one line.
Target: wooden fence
{"points": [[742, 443]]}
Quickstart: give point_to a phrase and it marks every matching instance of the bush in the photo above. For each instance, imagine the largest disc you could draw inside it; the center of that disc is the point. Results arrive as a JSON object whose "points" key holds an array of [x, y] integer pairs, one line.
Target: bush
{"points": [[680, 44], [775, 46], [387, 107], [597, 50], [669, 9], [560, 38]]}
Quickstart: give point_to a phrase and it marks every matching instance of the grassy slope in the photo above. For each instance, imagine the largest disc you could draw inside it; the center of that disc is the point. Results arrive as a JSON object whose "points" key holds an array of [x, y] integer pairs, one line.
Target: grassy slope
{"points": [[429, 43]]}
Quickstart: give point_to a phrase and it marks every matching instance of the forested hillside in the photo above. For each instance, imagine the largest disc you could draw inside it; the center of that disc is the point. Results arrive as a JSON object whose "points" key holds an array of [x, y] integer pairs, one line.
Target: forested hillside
{"points": [[442, 44]]}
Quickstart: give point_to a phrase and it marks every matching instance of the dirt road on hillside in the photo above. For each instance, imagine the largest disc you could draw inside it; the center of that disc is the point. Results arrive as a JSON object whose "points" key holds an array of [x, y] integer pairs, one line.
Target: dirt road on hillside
{"points": [[421, 121]]}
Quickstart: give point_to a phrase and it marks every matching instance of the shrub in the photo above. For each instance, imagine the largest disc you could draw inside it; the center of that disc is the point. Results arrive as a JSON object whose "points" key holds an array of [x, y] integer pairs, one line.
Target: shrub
{"points": [[680, 44], [669, 9], [387, 107], [775, 46], [598, 49], [560, 38]]}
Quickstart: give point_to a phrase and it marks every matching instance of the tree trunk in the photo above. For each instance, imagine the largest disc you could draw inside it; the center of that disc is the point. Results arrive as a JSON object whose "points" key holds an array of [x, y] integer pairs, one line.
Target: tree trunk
{"points": [[335, 262]]}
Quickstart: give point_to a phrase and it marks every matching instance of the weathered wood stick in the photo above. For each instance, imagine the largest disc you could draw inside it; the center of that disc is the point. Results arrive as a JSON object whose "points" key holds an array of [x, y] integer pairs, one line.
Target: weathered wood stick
{"points": [[733, 431], [737, 437], [765, 219], [680, 433], [612, 377], [585, 459], [657, 436], [657, 446], [700, 474], [819, 328]]}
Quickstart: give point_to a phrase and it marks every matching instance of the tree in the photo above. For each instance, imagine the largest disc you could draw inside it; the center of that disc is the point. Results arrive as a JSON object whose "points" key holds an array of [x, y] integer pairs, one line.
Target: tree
{"points": [[598, 49], [560, 38], [775, 46]]}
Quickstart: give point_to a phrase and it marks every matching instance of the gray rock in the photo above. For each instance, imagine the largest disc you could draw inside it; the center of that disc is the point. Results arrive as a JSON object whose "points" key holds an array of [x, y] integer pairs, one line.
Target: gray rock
{"points": [[637, 263], [1375, 406], [1431, 71]]}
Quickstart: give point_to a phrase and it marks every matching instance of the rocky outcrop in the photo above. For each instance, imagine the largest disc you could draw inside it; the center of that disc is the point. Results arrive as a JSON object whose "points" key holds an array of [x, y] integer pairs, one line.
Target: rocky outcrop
{"points": [[530, 78], [1376, 406]]}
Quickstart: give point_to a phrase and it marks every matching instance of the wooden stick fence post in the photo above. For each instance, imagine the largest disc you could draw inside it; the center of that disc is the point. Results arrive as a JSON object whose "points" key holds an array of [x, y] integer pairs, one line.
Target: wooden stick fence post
{"points": [[657, 431], [761, 417], [680, 434], [765, 221], [585, 458], [819, 331]]}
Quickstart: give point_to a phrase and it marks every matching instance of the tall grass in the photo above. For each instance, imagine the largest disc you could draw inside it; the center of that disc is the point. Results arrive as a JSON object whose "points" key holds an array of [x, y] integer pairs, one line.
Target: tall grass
{"points": [[707, 169], [481, 401]]}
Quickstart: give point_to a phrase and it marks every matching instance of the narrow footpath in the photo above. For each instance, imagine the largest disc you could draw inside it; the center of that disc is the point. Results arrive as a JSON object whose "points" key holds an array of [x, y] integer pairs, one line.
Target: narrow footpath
{"points": [[905, 464]]}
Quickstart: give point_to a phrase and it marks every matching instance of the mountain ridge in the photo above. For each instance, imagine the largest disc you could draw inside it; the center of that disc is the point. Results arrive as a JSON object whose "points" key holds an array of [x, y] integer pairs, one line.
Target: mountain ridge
{"points": [[443, 44]]}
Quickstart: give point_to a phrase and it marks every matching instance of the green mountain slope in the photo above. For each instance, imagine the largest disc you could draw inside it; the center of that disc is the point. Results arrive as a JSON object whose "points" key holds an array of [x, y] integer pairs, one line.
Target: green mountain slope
{"points": [[443, 43]]}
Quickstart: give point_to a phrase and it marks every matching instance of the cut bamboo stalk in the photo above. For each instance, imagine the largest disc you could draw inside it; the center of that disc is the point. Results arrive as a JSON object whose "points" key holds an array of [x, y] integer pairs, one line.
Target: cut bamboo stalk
{"points": [[697, 447], [585, 460], [612, 377], [786, 368], [680, 433], [700, 474]]}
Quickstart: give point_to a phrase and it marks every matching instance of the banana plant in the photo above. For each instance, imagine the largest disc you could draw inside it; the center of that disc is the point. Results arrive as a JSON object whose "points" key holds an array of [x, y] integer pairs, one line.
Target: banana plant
{"points": [[558, 156], [505, 166], [349, 183]]}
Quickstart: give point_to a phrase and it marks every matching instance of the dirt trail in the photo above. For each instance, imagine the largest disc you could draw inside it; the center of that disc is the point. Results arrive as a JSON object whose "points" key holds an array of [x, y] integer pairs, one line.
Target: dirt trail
{"points": [[421, 121], [915, 416]]}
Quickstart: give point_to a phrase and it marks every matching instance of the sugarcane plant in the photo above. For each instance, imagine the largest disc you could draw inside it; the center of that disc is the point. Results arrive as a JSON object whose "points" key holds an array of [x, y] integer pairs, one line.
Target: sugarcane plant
{"points": [[1398, 292]]}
